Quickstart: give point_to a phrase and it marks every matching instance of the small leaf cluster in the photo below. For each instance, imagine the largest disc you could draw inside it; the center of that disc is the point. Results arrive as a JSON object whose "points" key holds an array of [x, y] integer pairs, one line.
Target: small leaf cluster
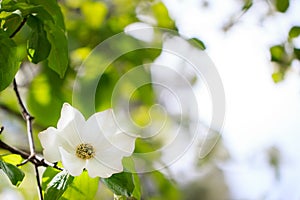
{"points": [[46, 41], [283, 55]]}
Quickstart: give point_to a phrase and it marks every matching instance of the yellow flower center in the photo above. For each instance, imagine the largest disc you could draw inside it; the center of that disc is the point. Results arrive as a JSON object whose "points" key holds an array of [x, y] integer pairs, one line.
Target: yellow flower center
{"points": [[85, 151]]}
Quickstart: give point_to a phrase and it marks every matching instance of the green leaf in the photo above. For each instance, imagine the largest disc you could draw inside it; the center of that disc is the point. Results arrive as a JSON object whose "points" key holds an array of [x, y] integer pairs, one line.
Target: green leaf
{"points": [[198, 43], [23, 7], [58, 58], [38, 46], [13, 159], [14, 174], [297, 53], [161, 14], [9, 63], [278, 53], [282, 5], [48, 37], [248, 4], [58, 186], [120, 184], [277, 77], [52, 7], [48, 175], [129, 165], [294, 32], [11, 23], [165, 188], [82, 187]]}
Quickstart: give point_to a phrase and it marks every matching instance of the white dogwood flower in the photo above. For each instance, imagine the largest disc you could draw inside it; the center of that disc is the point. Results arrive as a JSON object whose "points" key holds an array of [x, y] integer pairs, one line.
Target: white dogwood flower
{"points": [[96, 145]]}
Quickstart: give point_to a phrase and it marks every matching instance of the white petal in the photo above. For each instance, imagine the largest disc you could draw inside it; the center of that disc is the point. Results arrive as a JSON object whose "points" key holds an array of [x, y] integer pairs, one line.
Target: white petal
{"points": [[113, 135], [111, 158], [111, 149], [72, 163], [50, 144], [68, 114], [95, 168], [91, 131], [106, 122], [70, 134], [123, 142]]}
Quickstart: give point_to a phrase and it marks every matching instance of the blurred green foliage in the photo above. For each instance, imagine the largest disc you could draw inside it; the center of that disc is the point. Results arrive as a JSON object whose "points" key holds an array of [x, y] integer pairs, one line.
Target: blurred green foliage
{"points": [[57, 38]]}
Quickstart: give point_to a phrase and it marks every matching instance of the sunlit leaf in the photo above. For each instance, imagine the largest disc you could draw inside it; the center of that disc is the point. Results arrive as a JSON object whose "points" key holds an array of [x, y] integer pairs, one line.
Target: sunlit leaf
{"points": [[58, 186], [120, 184], [58, 59], [161, 14], [294, 32], [82, 187], [248, 4], [48, 175], [94, 13], [282, 5], [14, 174], [277, 77], [12, 159], [278, 53], [198, 43], [9, 63]]}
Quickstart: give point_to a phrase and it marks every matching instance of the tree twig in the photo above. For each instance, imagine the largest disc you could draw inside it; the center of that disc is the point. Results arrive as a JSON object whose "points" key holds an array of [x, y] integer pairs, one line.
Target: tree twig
{"points": [[36, 160], [18, 116], [39, 182], [28, 118]]}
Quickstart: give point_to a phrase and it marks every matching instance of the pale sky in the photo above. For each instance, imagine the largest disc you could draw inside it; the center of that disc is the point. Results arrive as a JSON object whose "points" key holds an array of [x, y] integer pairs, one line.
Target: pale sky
{"points": [[259, 113]]}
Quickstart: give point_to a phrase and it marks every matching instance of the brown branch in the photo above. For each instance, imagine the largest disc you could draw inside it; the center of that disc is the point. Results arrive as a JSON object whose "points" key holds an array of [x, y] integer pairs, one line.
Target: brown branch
{"points": [[36, 160], [39, 182], [28, 118], [18, 116]]}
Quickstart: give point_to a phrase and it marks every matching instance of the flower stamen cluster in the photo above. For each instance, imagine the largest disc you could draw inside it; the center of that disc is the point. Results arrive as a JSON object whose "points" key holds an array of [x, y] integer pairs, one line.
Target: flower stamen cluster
{"points": [[85, 151]]}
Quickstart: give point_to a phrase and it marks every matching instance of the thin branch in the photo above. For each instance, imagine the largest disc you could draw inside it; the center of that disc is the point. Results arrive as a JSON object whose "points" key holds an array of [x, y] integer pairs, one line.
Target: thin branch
{"points": [[14, 150], [17, 115], [36, 160], [28, 119], [39, 182]]}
